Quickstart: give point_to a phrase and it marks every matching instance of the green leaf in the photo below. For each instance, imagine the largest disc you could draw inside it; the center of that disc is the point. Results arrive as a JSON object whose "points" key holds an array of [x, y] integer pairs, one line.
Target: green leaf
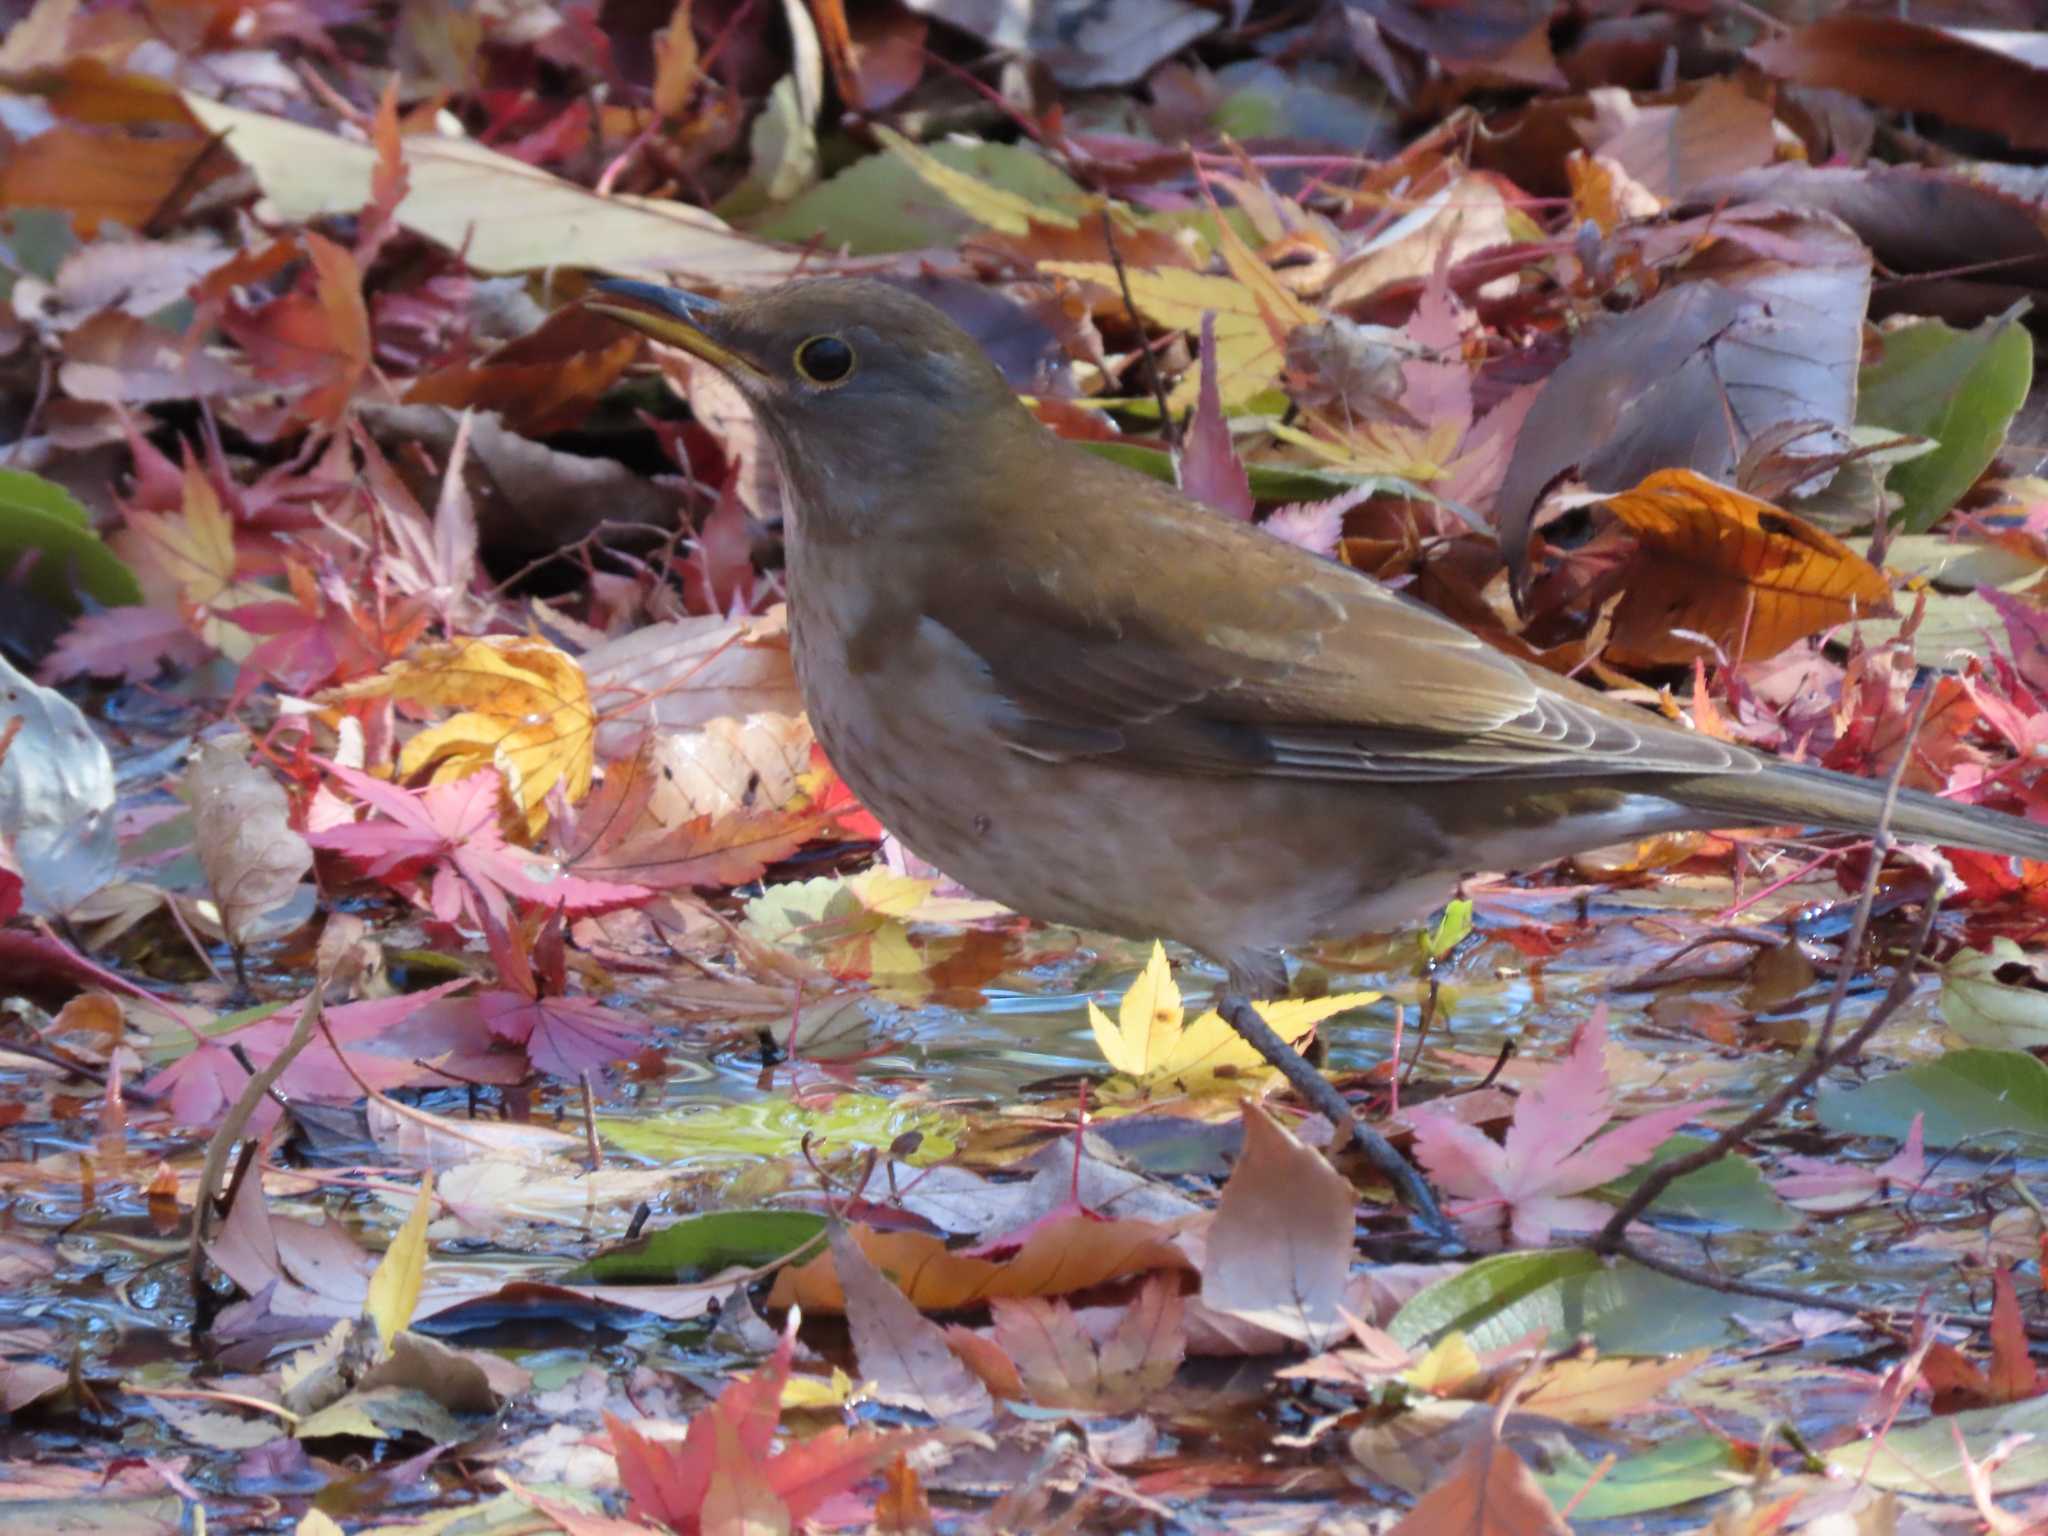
{"points": [[1922, 1459], [1677, 1472], [1269, 482], [1449, 932], [1960, 388], [777, 1128], [1727, 1193], [394, 1293], [1986, 1011], [699, 1247], [37, 515], [880, 203], [1565, 1292], [1966, 1095]]}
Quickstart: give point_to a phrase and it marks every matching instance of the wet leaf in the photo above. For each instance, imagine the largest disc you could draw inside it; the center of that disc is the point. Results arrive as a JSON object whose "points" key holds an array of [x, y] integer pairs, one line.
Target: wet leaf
{"points": [[255, 862], [56, 796], [46, 531], [699, 1247], [1489, 1491], [1623, 1307], [1662, 1477], [1728, 1193], [1965, 1096], [1153, 1041], [394, 1293], [900, 1351], [503, 214], [1058, 1257]]}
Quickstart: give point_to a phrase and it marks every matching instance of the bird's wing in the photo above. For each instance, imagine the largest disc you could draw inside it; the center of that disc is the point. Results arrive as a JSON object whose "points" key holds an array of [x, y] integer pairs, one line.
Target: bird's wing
{"points": [[1238, 653]]}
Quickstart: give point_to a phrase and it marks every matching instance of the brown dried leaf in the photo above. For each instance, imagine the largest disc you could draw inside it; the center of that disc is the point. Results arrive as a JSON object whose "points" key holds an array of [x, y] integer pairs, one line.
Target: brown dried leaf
{"points": [[1280, 1249], [1490, 1491]]}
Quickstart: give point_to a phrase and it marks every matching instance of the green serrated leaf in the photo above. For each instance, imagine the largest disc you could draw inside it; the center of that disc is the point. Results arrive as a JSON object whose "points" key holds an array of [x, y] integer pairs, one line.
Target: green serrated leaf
{"points": [[1566, 1292], [1959, 388], [778, 1128], [699, 1247]]}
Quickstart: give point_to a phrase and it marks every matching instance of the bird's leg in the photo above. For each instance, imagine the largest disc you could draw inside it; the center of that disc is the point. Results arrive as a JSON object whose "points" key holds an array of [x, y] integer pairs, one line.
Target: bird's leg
{"points": [[1322, 1095]]}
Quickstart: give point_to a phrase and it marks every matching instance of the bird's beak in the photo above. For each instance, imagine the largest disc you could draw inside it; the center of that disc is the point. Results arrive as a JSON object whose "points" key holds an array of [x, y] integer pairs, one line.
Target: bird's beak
{"points": [[670, 316]]}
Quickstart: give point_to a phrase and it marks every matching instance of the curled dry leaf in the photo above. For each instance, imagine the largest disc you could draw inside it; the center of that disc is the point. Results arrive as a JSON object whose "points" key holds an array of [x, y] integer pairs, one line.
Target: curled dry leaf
{"points": [[253, 859], [56, 797]]}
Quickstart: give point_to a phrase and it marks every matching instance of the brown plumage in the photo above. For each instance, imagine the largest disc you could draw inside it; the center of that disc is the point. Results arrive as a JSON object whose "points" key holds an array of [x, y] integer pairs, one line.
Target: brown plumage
{"points": [[1089, 697]]}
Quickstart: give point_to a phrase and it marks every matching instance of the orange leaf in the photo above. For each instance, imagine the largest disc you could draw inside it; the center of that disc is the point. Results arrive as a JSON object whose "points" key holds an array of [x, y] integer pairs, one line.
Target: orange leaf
{"points": [[1714, 561], [96, 175], [1057, 1258]]}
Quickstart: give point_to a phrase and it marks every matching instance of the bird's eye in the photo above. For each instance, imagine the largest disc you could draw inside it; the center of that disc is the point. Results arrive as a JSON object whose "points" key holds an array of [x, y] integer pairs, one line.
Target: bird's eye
{"points": [[825, 360]]}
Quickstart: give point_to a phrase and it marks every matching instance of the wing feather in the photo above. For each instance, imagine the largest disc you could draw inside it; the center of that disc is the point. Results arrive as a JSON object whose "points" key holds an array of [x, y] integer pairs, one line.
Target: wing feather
{"points": [[1295, 667]]}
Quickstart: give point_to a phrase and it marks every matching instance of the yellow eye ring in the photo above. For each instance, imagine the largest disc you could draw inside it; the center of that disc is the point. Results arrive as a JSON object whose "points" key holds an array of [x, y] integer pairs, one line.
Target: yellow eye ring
{"points": [[826, 361]]}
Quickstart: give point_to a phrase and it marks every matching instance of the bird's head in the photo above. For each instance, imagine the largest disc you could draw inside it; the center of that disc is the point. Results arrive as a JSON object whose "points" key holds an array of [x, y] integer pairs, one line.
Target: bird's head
{"points": [[864, 388]]}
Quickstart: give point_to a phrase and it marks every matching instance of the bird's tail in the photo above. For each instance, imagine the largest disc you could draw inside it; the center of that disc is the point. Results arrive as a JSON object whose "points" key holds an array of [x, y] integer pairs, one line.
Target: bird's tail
{"points": [[1796, 792]]}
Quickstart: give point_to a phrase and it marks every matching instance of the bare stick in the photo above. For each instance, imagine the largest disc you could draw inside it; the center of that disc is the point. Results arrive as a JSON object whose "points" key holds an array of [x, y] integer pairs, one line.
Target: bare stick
{"points": [[1826, 1054], [1167, 429], [223, 1142]]}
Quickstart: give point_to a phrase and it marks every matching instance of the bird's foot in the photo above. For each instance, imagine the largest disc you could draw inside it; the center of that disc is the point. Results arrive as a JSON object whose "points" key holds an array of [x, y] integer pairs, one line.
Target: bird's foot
{"points": [[1323, 1096]]}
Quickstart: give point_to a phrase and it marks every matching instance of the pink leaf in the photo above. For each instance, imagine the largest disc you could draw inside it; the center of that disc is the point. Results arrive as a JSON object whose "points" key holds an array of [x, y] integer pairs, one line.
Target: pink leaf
{"points": [[453, 830], [1207, 465], [1553, 1151]]}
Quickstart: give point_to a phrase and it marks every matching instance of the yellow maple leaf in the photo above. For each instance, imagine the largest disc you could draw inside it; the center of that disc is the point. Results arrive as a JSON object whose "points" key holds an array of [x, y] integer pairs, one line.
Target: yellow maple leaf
{"points": [[186, 560], [1252, 320], [1152, 1042], [525, 711]]}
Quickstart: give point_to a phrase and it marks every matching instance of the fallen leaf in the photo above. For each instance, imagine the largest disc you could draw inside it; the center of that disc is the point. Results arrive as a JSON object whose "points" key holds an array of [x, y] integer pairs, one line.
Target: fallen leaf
{"points": [[1749, 577], [1279, 1250]]}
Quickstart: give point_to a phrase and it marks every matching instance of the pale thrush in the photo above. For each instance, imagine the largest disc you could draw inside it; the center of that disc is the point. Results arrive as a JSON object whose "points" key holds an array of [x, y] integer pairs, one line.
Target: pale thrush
{"points": [[1085, 695]]}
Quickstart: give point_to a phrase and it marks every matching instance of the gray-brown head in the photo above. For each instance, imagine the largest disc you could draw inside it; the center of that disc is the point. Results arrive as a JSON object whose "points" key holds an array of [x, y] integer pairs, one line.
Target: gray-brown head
{"points": [[867, 391]]}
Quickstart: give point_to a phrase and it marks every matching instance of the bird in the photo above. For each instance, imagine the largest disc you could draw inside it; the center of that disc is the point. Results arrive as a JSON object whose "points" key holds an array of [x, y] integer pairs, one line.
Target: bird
{"points": [[1081, 693]]}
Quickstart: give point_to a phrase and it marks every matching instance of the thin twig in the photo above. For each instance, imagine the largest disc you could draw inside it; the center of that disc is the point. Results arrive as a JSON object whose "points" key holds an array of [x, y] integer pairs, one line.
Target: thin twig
{"points": [[1706, 1279], [1826, 1054], [1167, 429], [224, 1139], [1611, 1238], [590, 1125]]}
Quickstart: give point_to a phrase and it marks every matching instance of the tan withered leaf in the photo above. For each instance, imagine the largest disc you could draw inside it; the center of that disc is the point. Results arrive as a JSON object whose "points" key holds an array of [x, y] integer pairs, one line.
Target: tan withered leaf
{"points": [[1280, 1249], [1059, 1364], [1488, 1492], [1739, 571], [900, 1351]]}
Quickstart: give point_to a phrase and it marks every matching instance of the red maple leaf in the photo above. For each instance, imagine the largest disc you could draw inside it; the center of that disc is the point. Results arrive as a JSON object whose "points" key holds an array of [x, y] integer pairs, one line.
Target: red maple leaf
{"points": [[447, 839], [724, 1459], [565, 1036]]}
